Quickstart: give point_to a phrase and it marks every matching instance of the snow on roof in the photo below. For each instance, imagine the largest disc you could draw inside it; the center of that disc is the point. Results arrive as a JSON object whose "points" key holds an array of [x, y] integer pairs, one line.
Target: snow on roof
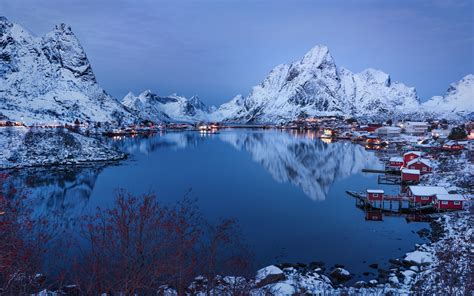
{"points": [[389, 128], [396, 159], [375, 191], [413, 152], [450, 197], [409, 171], [427, 190], [422, 160]]}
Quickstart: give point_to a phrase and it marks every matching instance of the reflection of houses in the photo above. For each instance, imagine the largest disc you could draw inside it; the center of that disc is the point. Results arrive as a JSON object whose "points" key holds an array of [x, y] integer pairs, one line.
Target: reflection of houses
{"points": [[425, 194], [376, 215], [448, 201]]}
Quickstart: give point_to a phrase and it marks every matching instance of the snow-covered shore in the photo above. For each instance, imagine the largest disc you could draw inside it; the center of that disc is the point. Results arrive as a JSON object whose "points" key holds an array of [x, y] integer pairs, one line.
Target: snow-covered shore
{"points": [[28, 147]]}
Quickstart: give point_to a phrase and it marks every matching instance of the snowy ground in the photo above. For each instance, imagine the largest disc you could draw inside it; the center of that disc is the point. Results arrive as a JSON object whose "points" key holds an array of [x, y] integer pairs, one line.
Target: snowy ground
{"points": [[25, 147]]}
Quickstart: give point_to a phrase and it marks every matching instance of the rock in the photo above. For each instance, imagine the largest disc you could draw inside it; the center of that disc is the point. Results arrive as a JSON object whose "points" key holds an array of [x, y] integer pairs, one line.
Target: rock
{"points": [[373, 283], [374, 265], [338, 266], [415, 268], [418, 258], [360, 284], [282, 289], [340, 275], [269, 275], [315, 264], [396, 262]]}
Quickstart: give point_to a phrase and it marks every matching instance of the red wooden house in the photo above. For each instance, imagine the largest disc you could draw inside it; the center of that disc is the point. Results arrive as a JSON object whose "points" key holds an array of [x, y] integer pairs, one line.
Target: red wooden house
{"points": [[410, 155], [421, 164], [448, 201], [424, 194], [375, 194], [395, 162], [410, 176]]}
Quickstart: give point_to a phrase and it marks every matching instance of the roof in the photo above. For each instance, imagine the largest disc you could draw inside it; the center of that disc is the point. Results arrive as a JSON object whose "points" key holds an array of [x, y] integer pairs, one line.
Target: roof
{"points": [[427, 190], [389, 128], [396, 159], [450, 197], [413, 152], [375, 191], [409, 171], [422, 160]]}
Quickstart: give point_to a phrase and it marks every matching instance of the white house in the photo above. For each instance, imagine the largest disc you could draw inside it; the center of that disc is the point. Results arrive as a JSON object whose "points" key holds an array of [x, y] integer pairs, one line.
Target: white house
{"points": [[416, 128], [388, 131]]}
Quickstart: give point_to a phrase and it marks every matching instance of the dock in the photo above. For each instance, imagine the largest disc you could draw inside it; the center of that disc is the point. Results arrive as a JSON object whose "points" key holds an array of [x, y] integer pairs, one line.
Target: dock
{"points": [[376, 171], [363, 196]]}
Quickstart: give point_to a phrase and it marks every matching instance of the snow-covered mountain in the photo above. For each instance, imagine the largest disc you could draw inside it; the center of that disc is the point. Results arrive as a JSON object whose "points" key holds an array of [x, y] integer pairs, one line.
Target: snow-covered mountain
{"points": [[49, 78], [458, 101], [315, 86], [170, 108]]}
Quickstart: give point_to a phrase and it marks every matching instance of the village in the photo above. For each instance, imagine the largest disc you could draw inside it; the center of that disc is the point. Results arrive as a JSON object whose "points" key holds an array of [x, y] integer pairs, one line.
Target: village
{"points": [[410, 151]]}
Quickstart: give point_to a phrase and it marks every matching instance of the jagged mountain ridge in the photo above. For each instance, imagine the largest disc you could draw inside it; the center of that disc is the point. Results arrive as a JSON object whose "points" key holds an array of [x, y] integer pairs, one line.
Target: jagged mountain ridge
{"points": [[170, 108], [315, 86], [458, 101], [49, 79]]}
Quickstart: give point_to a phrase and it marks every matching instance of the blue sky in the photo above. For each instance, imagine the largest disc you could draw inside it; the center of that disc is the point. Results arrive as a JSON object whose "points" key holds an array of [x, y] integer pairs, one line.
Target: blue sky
{"points": [[217, 49]]}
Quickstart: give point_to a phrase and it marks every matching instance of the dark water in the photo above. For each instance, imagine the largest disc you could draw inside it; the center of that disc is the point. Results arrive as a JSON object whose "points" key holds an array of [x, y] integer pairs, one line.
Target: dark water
{"points": [[286, 190]]}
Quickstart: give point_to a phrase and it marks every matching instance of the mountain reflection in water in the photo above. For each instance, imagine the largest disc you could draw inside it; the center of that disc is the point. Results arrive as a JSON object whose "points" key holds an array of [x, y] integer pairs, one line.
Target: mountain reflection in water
{"points": [[298, 158], [263, 178]]}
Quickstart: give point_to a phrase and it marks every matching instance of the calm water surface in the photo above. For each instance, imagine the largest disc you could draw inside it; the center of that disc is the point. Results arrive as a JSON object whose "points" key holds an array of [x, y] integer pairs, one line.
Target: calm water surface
{"points": [[286, 190]]}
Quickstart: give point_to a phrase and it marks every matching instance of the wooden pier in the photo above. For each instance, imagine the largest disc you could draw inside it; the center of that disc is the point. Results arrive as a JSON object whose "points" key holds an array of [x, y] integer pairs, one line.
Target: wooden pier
{"points": [[389, 203], [391, 172]]}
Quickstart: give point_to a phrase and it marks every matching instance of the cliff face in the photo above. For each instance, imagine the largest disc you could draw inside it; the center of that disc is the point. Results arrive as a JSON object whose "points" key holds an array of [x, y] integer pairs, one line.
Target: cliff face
{"points": [[49, 79]]}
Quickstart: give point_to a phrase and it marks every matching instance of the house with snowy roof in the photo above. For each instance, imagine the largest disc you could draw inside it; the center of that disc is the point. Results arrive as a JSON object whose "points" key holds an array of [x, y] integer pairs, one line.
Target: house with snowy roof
{"points": [[421, 164], [425, 194], [410, 155], [448, 201], [395, 162], [410, 176], [388, 131]]}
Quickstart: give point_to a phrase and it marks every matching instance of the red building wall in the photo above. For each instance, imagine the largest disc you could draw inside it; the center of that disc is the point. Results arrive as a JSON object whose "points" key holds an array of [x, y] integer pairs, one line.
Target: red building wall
{"points": [[410, 177], [375, 196], [423, 168], [449, 206]]}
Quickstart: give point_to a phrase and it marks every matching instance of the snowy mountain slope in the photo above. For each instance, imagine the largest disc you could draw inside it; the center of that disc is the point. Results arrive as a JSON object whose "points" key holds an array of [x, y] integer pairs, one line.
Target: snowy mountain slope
{"points": [[458, 101], [27, 147], [49, 78], [315, 86], [171, 108]]}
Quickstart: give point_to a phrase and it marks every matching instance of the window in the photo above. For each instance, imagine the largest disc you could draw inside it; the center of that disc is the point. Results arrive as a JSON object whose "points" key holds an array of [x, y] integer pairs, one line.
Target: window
{"points": [[444, 202], [375, 195], [457, 203], [424, 197], [424, 169]]}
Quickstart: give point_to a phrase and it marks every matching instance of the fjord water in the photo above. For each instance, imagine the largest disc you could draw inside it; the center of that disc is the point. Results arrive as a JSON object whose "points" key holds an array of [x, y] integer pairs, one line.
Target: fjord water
{"points": [[286, 190]]}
